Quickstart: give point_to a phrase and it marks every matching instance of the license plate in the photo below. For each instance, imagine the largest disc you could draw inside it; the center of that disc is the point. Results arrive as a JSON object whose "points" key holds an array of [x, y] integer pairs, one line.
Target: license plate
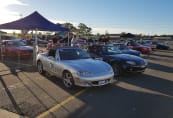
{"points": [[102, 82]]}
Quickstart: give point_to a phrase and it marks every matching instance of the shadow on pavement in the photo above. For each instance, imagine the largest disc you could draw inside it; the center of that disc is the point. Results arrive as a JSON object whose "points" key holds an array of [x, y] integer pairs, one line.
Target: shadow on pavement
{"points": [[35, 89], [152, 99], [12, 99], [161, 55], [160, 67], [151, 82], [167, 51]]}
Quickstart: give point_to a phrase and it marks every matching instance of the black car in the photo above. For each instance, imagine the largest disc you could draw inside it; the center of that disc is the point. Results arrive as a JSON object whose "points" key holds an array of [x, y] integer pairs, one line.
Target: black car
{"points": [[162, 46], [120, 62], [127, 50]]}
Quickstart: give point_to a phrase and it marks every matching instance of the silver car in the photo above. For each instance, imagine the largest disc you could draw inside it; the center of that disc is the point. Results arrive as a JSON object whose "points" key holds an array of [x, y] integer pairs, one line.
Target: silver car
{"points": [[75, 67]]}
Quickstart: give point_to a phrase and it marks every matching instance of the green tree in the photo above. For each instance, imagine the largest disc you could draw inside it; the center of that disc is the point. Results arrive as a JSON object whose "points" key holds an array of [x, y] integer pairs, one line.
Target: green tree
{"points": [[69, 26], [84, 30], [139, 36]]}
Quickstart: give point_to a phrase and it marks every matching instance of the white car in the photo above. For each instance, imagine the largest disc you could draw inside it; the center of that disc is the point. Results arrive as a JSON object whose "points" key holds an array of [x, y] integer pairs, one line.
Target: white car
{"points": [[75, 67]]}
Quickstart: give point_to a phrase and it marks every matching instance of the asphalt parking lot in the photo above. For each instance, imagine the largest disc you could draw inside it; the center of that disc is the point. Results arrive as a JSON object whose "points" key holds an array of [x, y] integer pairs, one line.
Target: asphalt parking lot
{"points": [[149, 95]]}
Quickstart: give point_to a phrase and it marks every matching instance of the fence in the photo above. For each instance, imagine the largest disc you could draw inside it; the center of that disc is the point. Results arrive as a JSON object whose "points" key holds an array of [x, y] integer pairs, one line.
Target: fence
{"points": [[18, 58]]}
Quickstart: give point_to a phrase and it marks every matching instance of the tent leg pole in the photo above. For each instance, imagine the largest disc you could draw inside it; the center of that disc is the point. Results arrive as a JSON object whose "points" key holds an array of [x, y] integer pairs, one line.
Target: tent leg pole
{"points": [[35, 50]]}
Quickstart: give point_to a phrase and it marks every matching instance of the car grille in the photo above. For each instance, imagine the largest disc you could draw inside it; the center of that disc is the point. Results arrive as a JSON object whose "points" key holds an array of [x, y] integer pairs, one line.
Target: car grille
{"points": [[133, 69]]}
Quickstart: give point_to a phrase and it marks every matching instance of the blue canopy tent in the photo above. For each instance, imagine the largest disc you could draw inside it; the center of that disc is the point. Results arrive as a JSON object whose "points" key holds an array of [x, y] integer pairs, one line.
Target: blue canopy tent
{"points": [[1, 32], [34, 21]]}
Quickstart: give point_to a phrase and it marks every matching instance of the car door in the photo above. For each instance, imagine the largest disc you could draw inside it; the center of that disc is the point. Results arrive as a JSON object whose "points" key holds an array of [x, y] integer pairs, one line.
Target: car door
{"points": [[47, 61], [51, 65], [55, 66]]}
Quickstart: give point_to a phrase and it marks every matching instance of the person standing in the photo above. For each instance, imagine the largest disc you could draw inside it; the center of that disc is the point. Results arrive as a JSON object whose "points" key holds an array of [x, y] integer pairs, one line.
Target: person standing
{"points": [[73, 40], [54, 39]]}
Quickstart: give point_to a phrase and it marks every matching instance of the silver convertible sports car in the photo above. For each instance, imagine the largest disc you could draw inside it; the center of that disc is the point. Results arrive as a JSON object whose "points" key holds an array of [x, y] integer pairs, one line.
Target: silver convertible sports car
{"points": [[75, 67]]}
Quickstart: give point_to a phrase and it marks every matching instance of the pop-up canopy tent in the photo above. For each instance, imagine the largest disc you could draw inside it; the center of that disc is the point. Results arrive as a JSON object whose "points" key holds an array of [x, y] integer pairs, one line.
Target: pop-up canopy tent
{"points": [[34, 21], [1, 32]]}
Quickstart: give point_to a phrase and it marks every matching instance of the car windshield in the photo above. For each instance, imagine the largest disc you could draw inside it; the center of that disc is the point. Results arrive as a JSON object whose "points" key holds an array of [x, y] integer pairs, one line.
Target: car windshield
{"points": [[8, 37], [73, 54], [134, 43], [110, 50], [122, 46], [19, 43], [15, 43]]}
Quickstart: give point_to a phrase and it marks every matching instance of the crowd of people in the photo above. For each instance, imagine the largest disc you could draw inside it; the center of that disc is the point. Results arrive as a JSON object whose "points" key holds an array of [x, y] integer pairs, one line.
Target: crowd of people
{"points": [[75, 40]]}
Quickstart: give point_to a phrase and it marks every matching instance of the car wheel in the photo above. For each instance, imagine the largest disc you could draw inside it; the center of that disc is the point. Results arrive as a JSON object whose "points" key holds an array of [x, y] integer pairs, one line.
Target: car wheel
{"points": [[68, 80], [117, 70], [40, 67]]}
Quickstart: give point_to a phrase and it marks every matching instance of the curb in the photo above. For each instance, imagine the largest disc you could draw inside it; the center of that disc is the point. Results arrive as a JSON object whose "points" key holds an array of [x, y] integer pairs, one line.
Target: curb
{"points": [[7, 114]]}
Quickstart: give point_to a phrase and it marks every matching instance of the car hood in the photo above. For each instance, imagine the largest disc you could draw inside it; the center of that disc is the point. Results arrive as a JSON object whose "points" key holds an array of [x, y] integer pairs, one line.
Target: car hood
{"points": [[127, 57], [164, 45], [132, 52], [25, 48], [89, 65], [143, 46]]}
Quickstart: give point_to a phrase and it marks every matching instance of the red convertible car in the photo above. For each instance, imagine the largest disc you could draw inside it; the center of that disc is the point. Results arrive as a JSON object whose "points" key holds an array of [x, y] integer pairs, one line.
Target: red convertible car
{"points": [[136, 46], [17, 48]]}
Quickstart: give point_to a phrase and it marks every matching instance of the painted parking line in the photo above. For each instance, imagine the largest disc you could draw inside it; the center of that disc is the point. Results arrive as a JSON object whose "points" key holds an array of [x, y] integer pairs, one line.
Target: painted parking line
{"points": [[59, 105]]}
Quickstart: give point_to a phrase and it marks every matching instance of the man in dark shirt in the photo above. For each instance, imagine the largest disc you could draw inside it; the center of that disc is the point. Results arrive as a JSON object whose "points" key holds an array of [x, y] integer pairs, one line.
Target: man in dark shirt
{"points": [[55, 39]]}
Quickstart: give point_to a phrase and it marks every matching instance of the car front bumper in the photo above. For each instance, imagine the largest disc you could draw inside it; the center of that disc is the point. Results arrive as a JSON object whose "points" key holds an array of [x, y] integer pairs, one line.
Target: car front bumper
{"points": [[133, 69], [94, 81]]}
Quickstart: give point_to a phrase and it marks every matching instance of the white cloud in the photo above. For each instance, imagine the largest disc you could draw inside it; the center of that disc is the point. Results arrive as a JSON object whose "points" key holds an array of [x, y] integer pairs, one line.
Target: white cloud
{"points": [[11, 2], [8, 15]]}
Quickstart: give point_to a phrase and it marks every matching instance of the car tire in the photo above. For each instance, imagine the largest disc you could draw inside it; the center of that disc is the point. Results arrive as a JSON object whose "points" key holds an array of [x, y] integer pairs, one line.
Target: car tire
{"points": [[117, 70], [40, 67], [68, 80]]}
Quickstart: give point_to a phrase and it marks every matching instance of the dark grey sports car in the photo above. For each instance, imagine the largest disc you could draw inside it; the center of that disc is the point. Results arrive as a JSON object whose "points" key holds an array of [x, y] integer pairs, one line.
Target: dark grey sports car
{"points": [[120, 62]]}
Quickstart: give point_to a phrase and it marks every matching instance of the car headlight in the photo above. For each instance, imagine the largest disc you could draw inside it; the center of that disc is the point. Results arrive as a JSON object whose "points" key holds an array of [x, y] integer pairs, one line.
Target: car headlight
{"points": [[84, 73], [140, 54], [131, 62], [111, 70]]}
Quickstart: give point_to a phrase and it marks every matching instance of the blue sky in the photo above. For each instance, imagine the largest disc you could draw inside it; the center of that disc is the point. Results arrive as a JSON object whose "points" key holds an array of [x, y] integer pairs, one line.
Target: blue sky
{"points": [[112, 16]]}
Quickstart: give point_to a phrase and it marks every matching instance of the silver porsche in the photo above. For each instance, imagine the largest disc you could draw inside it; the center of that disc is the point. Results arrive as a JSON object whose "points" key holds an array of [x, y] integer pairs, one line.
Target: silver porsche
{"points": [[75, 67]]}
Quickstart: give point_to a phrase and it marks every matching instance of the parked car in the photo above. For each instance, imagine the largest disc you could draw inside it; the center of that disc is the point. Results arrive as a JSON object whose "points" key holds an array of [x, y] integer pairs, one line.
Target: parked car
{"points": [[121, 63], [5, 37], [162, 46], [126, 50], [40, 42], [54, 45], [17, 48], [136, 46], [75, 67], [148, 43]]}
